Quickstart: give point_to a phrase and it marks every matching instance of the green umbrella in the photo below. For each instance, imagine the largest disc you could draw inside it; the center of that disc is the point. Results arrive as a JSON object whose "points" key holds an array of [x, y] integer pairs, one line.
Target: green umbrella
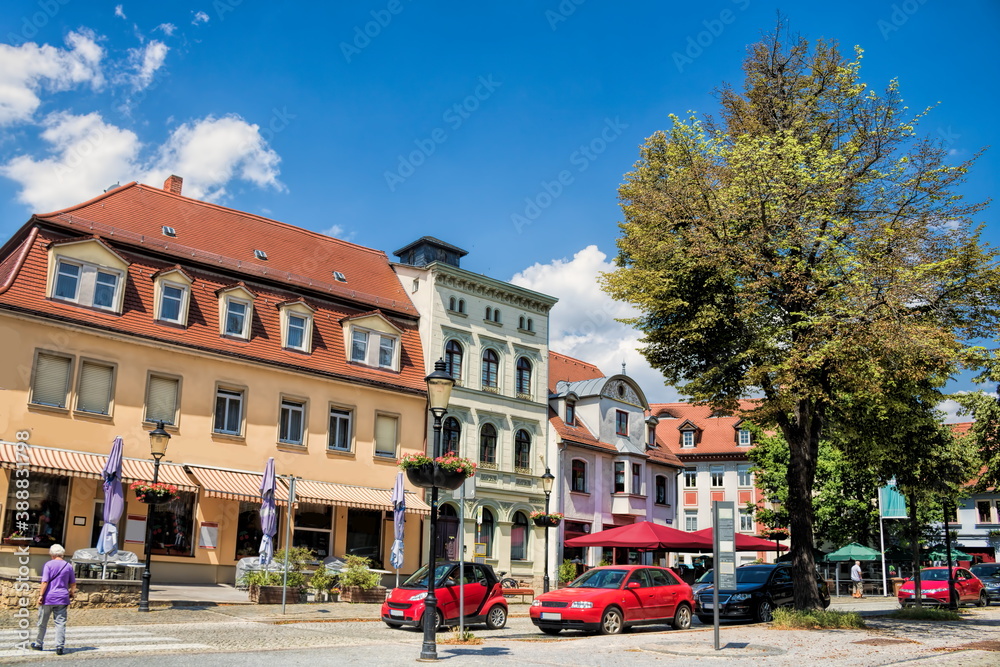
{"points": [[938, 553], [853, 551]]}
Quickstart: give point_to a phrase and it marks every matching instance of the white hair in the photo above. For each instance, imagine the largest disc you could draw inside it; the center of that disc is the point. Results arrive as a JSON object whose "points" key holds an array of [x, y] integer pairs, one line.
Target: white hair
{"points": [[57, 550]]}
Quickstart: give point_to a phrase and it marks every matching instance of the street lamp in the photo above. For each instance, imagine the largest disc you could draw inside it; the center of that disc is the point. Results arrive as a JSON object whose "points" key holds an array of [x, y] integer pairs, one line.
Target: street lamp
{"points": [[547, 480], [158, 439], [439, 384]]}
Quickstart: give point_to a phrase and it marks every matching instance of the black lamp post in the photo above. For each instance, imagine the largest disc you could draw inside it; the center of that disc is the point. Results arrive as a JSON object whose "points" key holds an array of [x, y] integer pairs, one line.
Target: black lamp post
{"points": [[952, 595], [439, 384], [158, 439], [547, 480]]}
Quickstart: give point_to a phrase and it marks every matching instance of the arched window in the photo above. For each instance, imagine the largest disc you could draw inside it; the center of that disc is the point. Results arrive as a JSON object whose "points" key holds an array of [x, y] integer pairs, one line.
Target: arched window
{"points": [[451, 303], [496, 315], [461, 305], [578, 476], [523, 376], [447, 532], [519, 537], [491, 366], [450, 436], [531, 325], [520, 322], [488, 444], [522, 449], [453, 359], [489, 313], [485, 531]]}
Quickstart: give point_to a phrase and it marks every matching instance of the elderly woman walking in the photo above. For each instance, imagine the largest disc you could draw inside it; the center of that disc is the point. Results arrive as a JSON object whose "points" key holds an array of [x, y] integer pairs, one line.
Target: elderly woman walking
{"points": [[58, 589]]}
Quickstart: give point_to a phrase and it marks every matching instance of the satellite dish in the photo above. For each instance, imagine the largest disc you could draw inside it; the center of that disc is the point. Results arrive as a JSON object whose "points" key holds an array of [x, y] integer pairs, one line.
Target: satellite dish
{"points": [[112, 187]]}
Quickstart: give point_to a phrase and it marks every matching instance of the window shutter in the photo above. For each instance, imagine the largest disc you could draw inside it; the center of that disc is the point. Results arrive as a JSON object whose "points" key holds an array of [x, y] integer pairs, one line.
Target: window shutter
{"points": [[161, 400], [51, 380], [95, 388], [385, 435]]}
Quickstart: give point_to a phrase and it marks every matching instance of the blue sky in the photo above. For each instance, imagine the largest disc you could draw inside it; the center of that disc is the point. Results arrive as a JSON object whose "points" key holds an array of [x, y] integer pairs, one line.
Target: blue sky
{"points": [[503, 128]]}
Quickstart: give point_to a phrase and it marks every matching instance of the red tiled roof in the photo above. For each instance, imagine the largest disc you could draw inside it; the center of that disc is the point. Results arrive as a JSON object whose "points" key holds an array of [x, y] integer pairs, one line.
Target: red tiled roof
{"points": [[328, 356], [578, 433], [568, 369], [716, 435], [135, 214]]}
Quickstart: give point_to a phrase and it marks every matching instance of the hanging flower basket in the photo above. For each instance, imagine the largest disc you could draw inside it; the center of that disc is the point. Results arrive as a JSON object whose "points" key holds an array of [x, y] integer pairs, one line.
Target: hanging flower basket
{"points": [[445, 472], [550, 520], [774, 534], [153, 494]]}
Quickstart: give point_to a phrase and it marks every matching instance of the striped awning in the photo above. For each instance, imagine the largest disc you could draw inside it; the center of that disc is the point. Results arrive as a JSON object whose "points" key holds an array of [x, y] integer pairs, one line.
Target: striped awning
{"points": [[234, 485], [327, 493], [84, 464]]}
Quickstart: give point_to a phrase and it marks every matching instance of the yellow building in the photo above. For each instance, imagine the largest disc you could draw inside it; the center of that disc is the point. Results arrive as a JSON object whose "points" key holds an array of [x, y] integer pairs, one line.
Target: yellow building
{"points": [[248, 338]]}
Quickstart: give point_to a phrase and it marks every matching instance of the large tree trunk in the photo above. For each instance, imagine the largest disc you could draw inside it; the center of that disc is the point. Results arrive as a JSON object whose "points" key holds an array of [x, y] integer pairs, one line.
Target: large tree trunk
{"points": [[802, 433]]}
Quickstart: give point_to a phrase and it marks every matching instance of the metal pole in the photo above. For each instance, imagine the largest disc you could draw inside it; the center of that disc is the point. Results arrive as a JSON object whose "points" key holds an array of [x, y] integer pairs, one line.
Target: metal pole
{"points": [[146, 576], [461, 562], [881, 541], [952, 597], [545, 579], [288, 529], [428, 651]]}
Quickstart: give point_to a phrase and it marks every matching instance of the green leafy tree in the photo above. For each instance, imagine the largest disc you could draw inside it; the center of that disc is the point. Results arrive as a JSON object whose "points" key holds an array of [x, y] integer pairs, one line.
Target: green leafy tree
{"points": [[807, 245]]}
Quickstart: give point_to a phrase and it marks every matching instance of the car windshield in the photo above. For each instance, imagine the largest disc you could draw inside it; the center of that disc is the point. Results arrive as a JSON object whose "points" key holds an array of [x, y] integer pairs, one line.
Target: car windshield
{"points": [[705, 578], [934, 575], [986, 570], [600, 579], [752, 575], [419, 578]]}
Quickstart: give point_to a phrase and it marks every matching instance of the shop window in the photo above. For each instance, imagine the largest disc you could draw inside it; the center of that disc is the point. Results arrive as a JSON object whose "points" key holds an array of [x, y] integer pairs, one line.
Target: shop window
{"points": [[248, 532], [364, 534], [173, 526], [312, 528], [43, 499]]}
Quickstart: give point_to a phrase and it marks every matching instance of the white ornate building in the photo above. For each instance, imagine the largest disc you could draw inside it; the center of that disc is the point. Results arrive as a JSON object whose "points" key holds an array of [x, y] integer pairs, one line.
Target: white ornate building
{"points": [[493, 337]]}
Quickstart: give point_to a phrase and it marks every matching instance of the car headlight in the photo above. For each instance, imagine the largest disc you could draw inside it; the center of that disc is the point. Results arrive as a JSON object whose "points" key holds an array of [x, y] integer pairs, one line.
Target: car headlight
{"points": [[536, 603], [582, 604], [936, 590], [740, 597], [418, 596]]}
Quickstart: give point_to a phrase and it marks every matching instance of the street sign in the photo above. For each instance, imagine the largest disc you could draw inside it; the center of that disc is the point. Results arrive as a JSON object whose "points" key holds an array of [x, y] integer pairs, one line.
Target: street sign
{"points": [[724, 553]]}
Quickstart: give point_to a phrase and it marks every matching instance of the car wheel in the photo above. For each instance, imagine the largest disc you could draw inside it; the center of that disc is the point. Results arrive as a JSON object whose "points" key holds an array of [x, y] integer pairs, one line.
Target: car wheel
{"points": [[983, 600], [611, 621], [682, 618], [551, 631], [394, 626], [707, 620], [764, 612], [496, 618]]}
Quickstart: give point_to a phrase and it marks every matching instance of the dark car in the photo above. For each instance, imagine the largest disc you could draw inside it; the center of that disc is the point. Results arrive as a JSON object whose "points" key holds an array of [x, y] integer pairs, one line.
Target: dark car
{"points": [[989, 573], [760, 589], [484, 600], [703, 582]]}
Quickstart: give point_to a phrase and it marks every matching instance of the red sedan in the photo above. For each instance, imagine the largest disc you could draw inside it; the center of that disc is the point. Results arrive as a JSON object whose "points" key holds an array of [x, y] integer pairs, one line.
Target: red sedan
{"points": [[612, 598], [934, 588]]}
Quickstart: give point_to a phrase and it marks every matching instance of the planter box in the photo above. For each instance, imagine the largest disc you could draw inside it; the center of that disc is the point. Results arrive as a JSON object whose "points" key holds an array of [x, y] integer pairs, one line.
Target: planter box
{"points": [[355, 594], [272, 595], [546, 522]]}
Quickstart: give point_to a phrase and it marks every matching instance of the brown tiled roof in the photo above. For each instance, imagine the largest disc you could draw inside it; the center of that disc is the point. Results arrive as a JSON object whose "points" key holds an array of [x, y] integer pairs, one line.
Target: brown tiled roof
{"points": [[328, 357], [135, 214], [568, 369], [715, 435]]}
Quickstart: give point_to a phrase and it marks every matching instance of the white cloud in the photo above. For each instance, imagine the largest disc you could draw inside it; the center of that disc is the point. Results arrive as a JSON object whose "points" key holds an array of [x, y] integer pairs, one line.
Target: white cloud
{"points": [[200, 17], [87, 155], [582, 325], [167, 28], [28, 69], [145, 62], [119, 12], [337, 232]]}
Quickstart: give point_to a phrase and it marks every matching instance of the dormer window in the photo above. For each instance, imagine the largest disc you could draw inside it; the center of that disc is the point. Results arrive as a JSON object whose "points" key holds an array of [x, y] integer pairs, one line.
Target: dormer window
{"points": [[87, 273], [651, 436], [621, 423], [687, 438], [743, 436], [296, 325], [235, 311], [570, 413], [173, 293], [372, 347]]}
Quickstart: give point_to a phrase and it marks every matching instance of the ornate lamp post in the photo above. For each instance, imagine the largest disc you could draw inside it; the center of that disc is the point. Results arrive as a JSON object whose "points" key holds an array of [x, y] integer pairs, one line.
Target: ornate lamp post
{"points": [[158, 439], [439, 384], [547, 480]]}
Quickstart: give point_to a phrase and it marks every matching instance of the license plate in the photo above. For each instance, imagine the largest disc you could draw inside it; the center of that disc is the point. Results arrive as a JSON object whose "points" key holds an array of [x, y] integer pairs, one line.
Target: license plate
{"points": [[707, 605], [549, 616], [396, 612]]}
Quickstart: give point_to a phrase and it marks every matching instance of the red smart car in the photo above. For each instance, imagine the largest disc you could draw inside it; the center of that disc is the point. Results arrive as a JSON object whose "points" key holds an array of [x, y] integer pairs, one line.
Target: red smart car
{"points": [[934, 588], [612, 598], [484, 600]]}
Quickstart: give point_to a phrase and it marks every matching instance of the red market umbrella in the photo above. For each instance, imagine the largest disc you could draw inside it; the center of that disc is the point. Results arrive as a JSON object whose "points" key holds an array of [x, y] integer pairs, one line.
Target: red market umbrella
{"points": [[744, 542], [644, 535]]}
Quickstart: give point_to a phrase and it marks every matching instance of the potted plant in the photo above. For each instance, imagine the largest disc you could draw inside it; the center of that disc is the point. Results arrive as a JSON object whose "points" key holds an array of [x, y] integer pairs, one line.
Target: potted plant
{"points": [[567, 571], [324, 583], [263, 580], [445, 472], [546, 519], [147, 492], [359, 583]]}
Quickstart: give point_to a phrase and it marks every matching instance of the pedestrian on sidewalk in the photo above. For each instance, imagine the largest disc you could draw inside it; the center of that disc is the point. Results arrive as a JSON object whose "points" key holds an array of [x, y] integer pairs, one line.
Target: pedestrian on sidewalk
{"points": [[57, 591], [856, 577]]}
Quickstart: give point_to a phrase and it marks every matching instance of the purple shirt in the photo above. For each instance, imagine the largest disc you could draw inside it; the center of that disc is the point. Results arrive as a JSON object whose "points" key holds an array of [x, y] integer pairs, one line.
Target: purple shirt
{"points": [[59, 575]]}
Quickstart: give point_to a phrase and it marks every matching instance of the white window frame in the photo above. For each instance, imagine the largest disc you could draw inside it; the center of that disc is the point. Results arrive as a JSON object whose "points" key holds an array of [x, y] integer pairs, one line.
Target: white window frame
{"points": [[690, 521], [743, 437], [690, 478], [182, 307], [384, 453], [746, 521], [86, 284], [373, 346], [107, 401], [150, 378], [287, 409], [687, 439], [66, 381], [636, 478], [717, 475], [247, 317], [237, 394], [342, 415], [296, 323], [744, 478], [301, 311]]}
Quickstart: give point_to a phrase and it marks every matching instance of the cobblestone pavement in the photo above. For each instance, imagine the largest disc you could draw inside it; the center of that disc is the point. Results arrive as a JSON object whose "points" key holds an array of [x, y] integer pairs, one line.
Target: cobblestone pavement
{"points": [[216, 634]]}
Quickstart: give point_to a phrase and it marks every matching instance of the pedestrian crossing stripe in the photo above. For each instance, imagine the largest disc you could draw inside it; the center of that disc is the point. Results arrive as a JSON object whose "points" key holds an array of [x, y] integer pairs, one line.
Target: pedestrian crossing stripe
{"points": [[91, 650]]}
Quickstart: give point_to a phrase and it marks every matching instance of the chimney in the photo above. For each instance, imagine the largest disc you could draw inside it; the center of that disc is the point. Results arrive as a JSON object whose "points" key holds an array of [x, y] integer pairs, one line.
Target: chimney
{"points": [[173, 184]]}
